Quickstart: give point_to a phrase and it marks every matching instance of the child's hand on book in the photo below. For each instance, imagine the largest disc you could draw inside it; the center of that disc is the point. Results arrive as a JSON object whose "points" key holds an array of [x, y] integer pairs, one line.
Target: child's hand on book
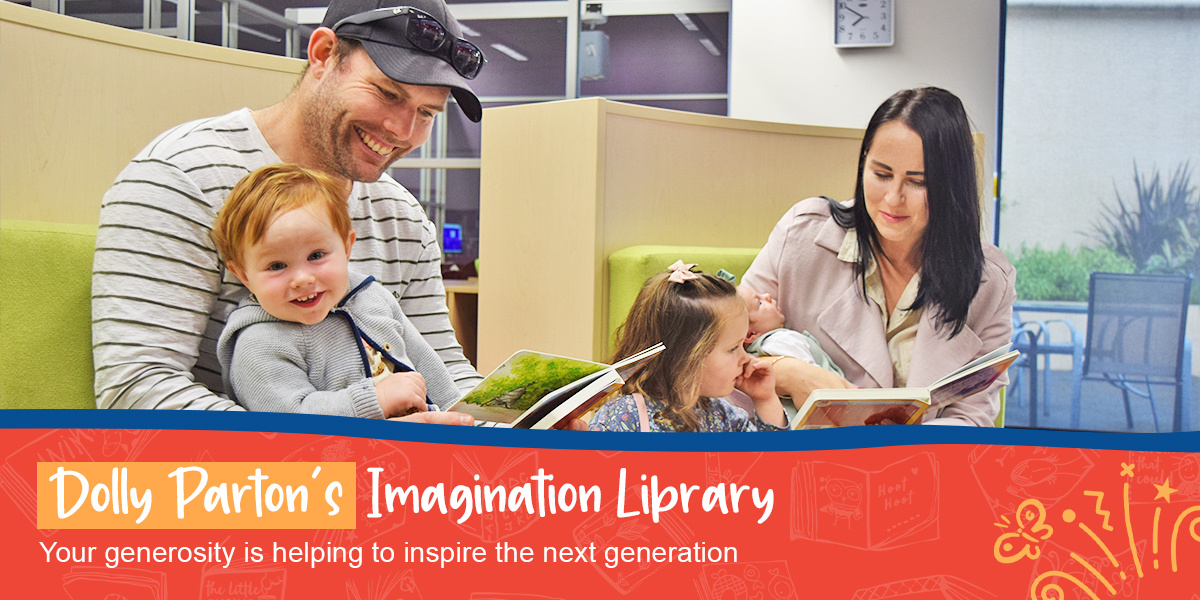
{"points": [[401, 394]]}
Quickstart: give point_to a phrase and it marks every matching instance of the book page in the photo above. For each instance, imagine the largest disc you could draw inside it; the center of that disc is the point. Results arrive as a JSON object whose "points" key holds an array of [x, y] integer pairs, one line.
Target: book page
{"points": [[520, 383], [842, 413], [601, 386], [560, 413], [982, 360], [629, 366], [971, 383], [573, 393]]}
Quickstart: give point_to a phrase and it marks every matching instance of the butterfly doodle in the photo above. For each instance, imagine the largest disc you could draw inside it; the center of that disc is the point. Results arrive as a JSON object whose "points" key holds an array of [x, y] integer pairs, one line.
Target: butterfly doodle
{"points": [[1031, 526]]}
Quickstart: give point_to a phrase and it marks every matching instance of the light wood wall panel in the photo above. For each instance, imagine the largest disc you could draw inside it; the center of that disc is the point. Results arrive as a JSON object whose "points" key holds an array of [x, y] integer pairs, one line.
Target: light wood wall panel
{"points": [[541, 175], [564, 184], [81, 98]]}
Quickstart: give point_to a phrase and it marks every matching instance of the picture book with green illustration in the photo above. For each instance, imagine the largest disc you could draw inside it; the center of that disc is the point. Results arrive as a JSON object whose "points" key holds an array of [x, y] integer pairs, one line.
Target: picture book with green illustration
{"points": [[535, 390]]}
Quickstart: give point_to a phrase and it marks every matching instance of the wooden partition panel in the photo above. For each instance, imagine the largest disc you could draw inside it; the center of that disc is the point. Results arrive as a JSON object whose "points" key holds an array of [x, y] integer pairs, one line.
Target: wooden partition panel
{"points": [[564, 184], [81, 98], [712, 180]]}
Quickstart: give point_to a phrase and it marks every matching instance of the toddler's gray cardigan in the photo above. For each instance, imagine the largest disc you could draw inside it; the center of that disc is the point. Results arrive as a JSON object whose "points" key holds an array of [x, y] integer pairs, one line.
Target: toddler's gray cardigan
{"points": [[280, 366]]}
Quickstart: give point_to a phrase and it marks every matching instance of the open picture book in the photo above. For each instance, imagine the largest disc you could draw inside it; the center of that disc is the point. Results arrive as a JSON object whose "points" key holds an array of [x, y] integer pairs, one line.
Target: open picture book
{"points": [[534, 390], [870, 406]]}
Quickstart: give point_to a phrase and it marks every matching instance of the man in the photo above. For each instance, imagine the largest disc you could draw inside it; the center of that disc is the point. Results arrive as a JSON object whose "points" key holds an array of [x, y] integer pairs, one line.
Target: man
{"points": [[376, 78]]}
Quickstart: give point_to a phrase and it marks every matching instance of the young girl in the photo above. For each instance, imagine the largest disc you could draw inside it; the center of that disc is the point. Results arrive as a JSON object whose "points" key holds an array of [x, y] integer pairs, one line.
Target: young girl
{"points": [[702, 322]]}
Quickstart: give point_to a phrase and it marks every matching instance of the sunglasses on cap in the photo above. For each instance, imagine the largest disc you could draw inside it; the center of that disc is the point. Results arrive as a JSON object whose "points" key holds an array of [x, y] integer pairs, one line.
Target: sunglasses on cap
{"points": [[426, 34]]}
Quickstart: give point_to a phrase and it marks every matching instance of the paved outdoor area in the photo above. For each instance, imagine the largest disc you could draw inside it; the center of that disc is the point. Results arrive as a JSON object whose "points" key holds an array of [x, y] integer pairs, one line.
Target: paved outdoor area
{"points": [[1101, 406]]}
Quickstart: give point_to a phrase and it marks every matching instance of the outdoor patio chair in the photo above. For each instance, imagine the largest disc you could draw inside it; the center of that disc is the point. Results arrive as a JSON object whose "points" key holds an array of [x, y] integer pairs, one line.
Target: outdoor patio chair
{"points": [[1136, 339], [1025, 338], [1037, 338]]}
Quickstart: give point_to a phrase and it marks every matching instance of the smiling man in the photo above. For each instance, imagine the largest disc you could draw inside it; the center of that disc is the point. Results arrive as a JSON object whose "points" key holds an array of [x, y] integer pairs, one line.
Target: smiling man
{"points": [[378, 73]]}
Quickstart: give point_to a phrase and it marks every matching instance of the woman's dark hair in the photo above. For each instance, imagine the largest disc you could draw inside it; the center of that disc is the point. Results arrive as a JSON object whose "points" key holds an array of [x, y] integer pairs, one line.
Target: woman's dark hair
{"points": [[951, 251]]}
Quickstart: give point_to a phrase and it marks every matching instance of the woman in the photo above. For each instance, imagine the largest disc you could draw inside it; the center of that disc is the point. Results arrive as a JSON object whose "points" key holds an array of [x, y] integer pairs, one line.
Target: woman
{"points": [[896, 285]]}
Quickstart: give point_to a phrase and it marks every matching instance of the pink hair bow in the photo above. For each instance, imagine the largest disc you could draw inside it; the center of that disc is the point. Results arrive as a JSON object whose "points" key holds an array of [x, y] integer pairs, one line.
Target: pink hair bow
{"points": [[681, 272]]}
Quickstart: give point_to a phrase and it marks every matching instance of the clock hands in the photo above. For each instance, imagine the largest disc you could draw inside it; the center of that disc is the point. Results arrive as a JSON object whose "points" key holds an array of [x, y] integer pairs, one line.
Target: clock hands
{"points": [[858, 14]]}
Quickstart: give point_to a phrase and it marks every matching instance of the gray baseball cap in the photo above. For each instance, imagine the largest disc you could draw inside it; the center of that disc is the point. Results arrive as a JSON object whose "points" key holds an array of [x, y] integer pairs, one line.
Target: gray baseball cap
{"points": [[386, 43]]}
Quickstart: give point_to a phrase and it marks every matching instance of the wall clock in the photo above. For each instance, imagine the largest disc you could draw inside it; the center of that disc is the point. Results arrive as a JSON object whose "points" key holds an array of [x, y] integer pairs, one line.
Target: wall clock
{"points": [[863, 23]]}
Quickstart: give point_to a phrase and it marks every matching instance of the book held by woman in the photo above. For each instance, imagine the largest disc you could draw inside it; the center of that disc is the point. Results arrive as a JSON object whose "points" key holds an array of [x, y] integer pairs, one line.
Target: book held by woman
{"points": [[873, 406]]}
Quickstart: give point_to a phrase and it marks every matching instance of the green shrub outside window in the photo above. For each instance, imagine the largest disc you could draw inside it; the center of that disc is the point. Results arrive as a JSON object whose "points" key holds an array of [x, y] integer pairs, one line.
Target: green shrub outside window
{"points": [[1156, 232]]}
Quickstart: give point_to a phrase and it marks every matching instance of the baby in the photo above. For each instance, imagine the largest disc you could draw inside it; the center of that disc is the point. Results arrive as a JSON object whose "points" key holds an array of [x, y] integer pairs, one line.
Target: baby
{"points": [[768, 337], [314, 336]]}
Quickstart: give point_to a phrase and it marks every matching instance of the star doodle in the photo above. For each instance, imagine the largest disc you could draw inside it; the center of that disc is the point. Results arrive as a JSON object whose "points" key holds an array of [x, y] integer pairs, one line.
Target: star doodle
{"points": [[1165, 490]]}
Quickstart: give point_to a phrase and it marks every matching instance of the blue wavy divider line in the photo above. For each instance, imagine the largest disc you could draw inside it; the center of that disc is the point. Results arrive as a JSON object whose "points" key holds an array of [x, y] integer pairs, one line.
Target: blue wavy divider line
{"points": [[829, 439]]}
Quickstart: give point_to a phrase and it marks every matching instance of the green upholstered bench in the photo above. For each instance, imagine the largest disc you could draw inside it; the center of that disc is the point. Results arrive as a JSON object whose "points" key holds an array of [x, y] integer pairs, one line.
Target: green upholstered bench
{"points": [[629, 268], [45, 315]]}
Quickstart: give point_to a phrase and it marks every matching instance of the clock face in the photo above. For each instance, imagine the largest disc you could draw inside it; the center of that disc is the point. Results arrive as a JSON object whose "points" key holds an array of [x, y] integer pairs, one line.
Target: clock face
{"points": [[863, 23]]}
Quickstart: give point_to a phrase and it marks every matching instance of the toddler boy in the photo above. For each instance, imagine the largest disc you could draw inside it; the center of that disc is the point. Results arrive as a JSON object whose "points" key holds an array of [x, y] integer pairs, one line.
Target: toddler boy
{"points": [[314, 336]]}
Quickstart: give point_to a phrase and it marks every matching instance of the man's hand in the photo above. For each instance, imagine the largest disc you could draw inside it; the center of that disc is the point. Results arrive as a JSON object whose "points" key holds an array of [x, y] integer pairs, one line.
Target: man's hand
{"points": [[436, 417], [401, 394], [797, 379], [574, 425], [456, 418]]}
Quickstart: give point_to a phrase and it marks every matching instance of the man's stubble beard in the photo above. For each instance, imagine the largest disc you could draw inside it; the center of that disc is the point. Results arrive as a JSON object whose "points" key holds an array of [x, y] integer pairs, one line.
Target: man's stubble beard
{"points": [[330, 135]]}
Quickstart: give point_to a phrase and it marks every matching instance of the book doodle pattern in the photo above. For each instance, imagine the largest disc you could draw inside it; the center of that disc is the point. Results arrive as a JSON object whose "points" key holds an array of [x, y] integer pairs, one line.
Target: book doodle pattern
{"points": [[765, 580], [895, 506], [393, 586], [606, 531]]}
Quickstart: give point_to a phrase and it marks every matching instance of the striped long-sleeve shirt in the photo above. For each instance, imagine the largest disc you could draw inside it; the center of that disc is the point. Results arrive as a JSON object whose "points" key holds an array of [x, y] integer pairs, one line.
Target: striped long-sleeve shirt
{"points": [[160, 294]]}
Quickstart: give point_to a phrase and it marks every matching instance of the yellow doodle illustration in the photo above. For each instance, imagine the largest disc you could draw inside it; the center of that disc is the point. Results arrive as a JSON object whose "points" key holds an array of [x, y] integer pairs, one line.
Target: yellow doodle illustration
{"points": [[1164, 490], [1100, 510], [1191, 530], [1025, 535], [1031, 527]]}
